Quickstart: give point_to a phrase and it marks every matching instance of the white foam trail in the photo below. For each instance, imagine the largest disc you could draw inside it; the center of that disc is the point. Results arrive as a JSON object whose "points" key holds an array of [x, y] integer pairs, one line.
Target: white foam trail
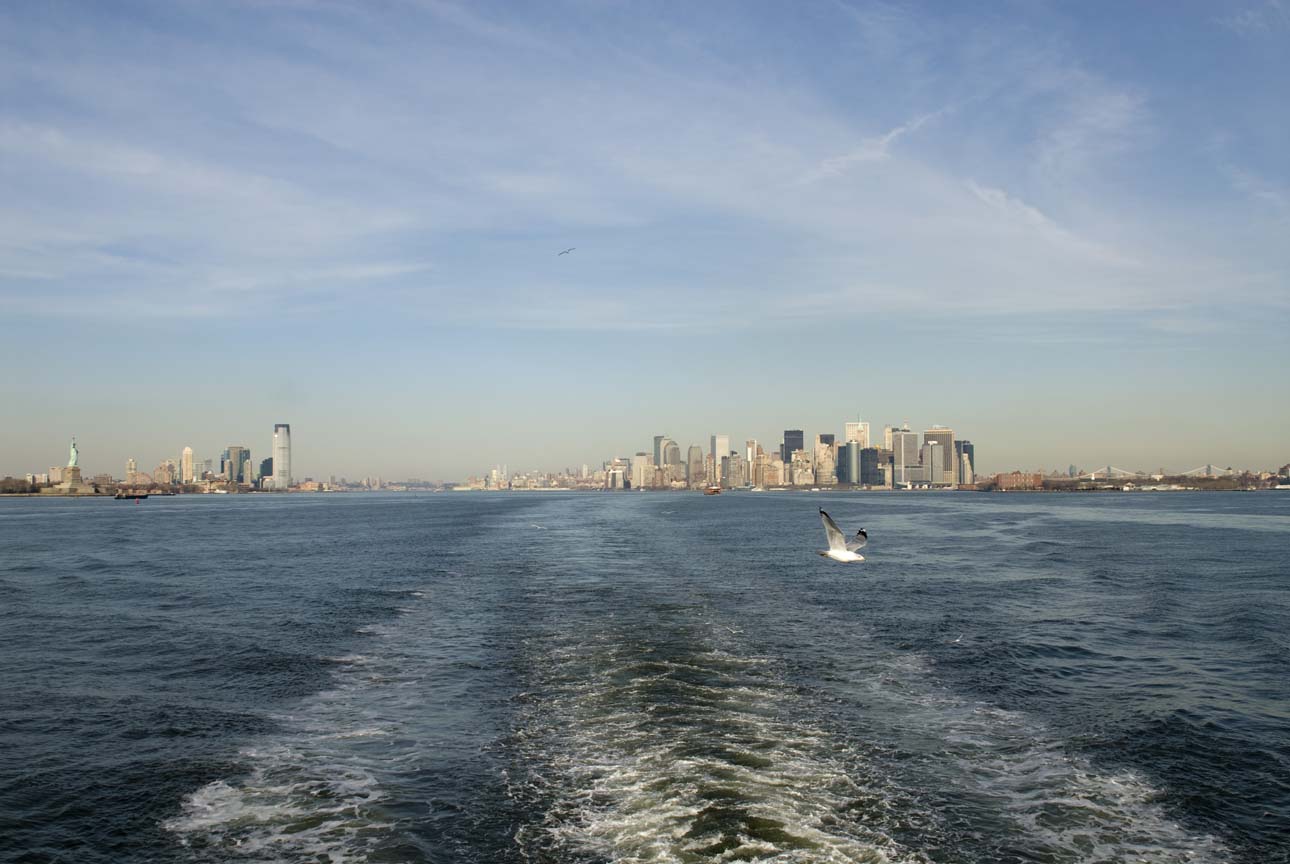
{"points": [[713, 757], [686, 760]]}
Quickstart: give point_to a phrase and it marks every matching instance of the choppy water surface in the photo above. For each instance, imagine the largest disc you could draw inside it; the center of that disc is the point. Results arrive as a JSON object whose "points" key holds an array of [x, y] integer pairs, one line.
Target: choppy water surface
{"points": [[640, 678]]}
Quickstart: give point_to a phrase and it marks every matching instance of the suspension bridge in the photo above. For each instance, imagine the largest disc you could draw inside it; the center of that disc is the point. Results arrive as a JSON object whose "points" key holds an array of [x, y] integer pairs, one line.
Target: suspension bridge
{"points": [[1111, 472]]}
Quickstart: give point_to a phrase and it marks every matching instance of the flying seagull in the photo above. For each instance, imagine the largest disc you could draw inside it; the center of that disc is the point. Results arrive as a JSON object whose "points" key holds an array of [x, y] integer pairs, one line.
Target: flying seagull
{"points": [[567, 251], [840, 549]]}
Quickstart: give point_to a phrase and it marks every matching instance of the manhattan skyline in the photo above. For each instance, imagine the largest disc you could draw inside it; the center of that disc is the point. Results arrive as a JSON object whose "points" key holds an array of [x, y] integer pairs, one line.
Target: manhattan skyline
{"points": [[1061, 229]]}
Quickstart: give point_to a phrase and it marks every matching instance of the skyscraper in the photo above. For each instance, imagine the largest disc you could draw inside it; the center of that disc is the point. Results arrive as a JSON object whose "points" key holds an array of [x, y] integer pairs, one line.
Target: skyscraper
{"points": [[849, 463], [904, 453], [870, 472], [671, 452], [857, 431], [720, 447], [236, 464], [642, 471], [943, 436], [964, 448], [658, 449], [934, 463], [282, 456], [694, 466], [824, 461], [186, 465], [794, 439]]}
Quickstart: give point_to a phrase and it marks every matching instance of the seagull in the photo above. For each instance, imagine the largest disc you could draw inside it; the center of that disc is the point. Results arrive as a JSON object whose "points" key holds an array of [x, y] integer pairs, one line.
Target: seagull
{"points": [[567, 251], [840, 549]]}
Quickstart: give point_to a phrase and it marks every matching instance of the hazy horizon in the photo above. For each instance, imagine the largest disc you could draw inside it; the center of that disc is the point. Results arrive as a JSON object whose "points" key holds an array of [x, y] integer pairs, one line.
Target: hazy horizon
{"points": [[1059, 230]]}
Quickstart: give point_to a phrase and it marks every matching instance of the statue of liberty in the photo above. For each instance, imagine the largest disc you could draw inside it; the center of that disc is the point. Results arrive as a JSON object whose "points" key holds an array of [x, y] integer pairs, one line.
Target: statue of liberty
{"points": [[71, 462]]}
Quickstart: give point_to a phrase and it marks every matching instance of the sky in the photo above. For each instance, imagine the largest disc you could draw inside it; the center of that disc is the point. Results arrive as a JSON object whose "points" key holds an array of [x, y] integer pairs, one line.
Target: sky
{"points": [[1062, 229]]}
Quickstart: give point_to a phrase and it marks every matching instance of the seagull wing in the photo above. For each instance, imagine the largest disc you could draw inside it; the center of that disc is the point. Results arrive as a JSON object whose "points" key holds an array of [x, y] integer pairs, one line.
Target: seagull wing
{"points": [[858, 542], [831, 530]]}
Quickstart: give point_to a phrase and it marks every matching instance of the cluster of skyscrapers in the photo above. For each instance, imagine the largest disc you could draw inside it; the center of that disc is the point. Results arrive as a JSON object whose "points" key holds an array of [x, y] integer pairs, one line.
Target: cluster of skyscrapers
{"points": [[235, 466], [898, 461]]}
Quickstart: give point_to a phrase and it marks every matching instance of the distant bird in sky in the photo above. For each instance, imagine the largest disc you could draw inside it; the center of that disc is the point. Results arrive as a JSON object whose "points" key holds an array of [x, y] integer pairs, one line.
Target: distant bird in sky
{"points": [[841, 549], [567, 251]]}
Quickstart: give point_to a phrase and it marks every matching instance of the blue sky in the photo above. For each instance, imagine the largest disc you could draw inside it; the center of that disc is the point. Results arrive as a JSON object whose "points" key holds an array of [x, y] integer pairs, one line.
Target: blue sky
{"points": [[1062, 229]]}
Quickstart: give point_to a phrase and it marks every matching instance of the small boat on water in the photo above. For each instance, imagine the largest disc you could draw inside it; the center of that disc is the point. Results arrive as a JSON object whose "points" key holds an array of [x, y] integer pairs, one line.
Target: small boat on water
{"points": [[712, 490], [130, 496]]}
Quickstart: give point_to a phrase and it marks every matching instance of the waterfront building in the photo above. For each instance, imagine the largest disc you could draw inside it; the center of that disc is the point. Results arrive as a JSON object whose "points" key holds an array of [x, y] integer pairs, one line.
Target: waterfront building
{"points": [[234, 463], [849, 463], [966, 475], [794, 439], [826, 467], [56, 474], [870, 459], [658, 449], [131, 472], [642, 471], [1018, 481], [904, 454], [694, 466], [933, 463], [720, 448], [282, 456], [671, 453], [774, 472], [734, 471], [164, 474], [186, 465], [964, 449], [824, 460], [886, 436], [944, 436], [800, 469], [266, 471]]}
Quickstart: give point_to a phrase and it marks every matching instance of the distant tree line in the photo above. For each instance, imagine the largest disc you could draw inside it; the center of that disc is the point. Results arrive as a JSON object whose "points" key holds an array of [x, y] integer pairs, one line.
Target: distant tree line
{"points": [[12, 485]]}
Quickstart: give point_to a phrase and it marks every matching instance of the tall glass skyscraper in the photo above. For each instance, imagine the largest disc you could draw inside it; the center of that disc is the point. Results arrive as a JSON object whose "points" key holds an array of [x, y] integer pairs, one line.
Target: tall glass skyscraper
{"points": [[282, 456], [794, 439]]}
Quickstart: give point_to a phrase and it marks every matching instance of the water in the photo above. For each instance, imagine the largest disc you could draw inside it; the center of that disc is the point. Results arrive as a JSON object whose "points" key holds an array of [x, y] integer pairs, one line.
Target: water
{"points": [[655, 677]]}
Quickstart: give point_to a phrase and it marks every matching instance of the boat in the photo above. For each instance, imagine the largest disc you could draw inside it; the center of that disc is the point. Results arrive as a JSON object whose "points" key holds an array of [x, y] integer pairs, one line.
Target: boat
{"points": [[130, 496], [712, 490]]}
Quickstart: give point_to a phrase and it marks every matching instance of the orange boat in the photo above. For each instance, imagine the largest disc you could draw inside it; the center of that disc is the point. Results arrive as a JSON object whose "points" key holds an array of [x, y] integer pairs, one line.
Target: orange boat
{"points": [[712, 490]]}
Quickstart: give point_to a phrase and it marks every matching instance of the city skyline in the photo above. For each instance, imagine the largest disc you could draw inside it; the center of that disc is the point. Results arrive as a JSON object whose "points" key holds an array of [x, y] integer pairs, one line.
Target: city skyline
{"points": [[903, 444], [1040, 221]]}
